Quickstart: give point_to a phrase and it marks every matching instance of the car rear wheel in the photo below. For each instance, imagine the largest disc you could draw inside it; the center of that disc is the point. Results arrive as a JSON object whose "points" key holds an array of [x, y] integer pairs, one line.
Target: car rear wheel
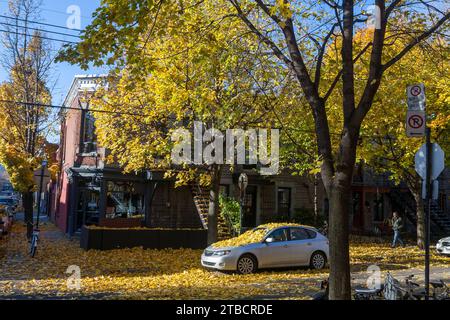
{"points": [[318, 260], [247, 264]]}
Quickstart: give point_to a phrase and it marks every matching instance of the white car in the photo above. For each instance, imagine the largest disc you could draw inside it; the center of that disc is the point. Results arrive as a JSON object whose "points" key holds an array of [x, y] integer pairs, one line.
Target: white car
{"points": [[283, 246], [443, 246]]}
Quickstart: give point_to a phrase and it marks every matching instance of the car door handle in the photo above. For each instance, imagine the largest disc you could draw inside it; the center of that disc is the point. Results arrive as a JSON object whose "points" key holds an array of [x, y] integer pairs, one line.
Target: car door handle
{"points": [[309, 243], [285, 246]]}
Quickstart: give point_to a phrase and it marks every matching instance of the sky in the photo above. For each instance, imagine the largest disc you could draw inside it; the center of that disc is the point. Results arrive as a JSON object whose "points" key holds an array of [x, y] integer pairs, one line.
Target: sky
{"points": [[55, 12]]}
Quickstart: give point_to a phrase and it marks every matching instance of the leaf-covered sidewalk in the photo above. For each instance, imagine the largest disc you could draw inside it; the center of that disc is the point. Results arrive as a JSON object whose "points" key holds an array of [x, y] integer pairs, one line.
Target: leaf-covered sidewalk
{"points": [[162, 274]]}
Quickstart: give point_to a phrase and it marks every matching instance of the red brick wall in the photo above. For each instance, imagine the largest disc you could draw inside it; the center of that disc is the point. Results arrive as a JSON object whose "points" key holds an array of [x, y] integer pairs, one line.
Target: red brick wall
{"points": [[69, 146]]}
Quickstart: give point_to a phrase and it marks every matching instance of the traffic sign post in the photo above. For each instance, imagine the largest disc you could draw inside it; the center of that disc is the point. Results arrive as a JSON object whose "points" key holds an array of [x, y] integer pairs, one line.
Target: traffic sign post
{"points": [[429, 186], [428, 160], [429, 164]]}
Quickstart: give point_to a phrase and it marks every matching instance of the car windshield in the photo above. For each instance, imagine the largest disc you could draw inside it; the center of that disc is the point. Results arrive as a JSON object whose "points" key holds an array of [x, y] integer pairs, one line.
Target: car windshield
{"points": [[261, 229], [248, 237], [254, 235]]}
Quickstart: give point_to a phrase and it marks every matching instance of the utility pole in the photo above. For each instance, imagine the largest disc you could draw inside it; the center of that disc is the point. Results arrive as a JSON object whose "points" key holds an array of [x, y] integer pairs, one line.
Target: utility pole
{"points": [[41, 180]]}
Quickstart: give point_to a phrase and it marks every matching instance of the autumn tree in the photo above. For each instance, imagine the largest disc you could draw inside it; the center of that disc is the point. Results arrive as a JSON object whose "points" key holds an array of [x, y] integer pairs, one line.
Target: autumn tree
{"points": [[390, 150], [24, 122], [183, 63], [384, 146], [297, 30], [296, 34]]}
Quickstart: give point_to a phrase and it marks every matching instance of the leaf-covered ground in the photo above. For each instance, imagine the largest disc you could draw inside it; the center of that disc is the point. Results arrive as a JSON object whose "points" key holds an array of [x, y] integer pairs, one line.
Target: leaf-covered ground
{"points": [[163, 274]]}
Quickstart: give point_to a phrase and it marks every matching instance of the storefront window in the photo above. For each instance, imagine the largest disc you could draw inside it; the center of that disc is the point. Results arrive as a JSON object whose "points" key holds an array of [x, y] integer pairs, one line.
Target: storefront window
{"points": [[124, 200]]}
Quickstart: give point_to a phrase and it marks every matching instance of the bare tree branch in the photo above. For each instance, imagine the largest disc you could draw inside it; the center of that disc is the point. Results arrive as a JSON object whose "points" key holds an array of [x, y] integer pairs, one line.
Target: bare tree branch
{"points": [[413, 43]]}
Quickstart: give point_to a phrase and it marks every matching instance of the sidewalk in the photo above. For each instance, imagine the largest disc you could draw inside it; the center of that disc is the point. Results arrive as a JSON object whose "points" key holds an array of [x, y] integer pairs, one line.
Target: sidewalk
{"points": [[19, 216], [436, 273]]}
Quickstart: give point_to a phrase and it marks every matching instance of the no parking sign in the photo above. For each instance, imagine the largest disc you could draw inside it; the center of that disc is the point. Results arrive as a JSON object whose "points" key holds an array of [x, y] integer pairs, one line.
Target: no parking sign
{"points": [[416, 97], [415, 116], [415, 123]]}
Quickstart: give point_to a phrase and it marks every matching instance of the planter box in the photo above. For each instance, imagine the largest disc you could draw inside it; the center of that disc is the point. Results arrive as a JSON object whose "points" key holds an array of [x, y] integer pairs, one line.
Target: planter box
{"points": [[120, 222], [110, 238], [91, 238]]}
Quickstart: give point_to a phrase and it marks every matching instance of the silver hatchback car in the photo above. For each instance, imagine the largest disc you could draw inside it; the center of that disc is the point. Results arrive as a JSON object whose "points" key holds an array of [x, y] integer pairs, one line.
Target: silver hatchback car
{"points": [[284, 246], [443, 246]]}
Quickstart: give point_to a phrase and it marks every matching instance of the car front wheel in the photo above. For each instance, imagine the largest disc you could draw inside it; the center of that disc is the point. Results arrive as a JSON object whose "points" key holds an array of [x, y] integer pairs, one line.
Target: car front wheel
{"points": [[246, 264], [318, 260]]}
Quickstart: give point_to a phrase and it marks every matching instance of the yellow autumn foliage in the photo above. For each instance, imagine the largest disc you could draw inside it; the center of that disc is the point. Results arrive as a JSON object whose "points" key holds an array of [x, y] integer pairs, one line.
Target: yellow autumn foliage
{"points": [[252, 236], [165, 274]]}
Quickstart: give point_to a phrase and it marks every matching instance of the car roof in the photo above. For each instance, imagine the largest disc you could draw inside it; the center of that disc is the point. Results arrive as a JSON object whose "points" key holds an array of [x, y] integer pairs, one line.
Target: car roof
{"points": [[292, 226]]}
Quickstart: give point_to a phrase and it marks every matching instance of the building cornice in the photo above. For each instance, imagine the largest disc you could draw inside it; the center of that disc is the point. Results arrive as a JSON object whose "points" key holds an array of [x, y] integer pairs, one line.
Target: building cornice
{"points": [[82, 83]]}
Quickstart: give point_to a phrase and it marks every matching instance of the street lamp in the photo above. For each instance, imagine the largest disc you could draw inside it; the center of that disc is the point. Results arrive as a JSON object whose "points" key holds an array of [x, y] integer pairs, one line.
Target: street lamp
{"points": [[242, 183]]}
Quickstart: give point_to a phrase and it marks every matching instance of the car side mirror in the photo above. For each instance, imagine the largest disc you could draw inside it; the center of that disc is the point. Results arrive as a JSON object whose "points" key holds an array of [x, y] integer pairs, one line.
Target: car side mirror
{"points": [[269, 240]]}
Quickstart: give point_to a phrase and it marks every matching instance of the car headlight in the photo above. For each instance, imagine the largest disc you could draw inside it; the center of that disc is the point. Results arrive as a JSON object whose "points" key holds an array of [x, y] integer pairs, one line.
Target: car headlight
{"points": [[221, 252]]}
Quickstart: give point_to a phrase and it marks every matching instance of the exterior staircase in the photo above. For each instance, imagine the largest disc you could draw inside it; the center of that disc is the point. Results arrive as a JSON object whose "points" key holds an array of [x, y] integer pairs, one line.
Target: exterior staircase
{"points": [[440, 218], [405, 201], [201, 200], [440, 221]]}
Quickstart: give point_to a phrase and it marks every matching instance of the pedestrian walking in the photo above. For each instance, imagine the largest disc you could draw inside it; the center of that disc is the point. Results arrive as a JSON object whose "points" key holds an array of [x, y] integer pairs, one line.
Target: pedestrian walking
{"points": [[397, 225]]}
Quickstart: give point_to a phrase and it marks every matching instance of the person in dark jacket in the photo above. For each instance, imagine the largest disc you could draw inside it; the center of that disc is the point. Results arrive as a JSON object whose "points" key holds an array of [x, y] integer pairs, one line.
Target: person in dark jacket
{"points": [[397, 225]]}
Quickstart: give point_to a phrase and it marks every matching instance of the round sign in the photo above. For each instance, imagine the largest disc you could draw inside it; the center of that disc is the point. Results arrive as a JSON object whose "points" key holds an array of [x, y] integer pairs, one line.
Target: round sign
{"points": [[243, 181], [416, 90], [415, 121]]}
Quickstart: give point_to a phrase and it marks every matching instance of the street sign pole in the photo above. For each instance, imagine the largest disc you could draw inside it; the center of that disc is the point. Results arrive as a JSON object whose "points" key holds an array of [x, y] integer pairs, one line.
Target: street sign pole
{"points": [[429, 193], [416, 127]]}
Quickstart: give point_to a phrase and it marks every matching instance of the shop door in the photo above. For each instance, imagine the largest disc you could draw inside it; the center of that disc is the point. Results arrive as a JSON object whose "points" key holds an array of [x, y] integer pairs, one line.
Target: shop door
{"points": [[249, 208], [87, 208]]}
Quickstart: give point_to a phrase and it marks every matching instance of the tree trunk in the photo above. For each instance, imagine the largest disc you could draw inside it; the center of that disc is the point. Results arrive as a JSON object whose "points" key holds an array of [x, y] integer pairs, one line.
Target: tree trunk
{"points": [[27, 203], [339, 243], [340, 198], [213, 209], [416, 191]]}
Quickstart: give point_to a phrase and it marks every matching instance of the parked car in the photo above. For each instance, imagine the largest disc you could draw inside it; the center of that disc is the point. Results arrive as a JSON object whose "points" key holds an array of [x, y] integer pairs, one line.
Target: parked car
{"points": [[8, 205], [7, 201], [283, 246], [443, 246], [5, 223]]}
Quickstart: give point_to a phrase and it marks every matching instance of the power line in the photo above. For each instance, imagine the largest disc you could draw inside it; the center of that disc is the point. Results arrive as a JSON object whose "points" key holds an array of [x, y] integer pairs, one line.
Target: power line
{"points": [[41, 23], [43, 105], [43, 30], [37, 36]]}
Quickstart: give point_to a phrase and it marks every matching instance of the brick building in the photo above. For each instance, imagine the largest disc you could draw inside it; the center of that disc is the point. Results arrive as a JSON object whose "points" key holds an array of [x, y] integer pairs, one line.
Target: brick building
{"points": [[89, 191]]}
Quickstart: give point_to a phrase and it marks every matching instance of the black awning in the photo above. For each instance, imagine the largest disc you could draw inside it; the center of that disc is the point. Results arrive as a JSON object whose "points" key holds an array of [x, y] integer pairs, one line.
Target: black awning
{"points": [[115, 174]]}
